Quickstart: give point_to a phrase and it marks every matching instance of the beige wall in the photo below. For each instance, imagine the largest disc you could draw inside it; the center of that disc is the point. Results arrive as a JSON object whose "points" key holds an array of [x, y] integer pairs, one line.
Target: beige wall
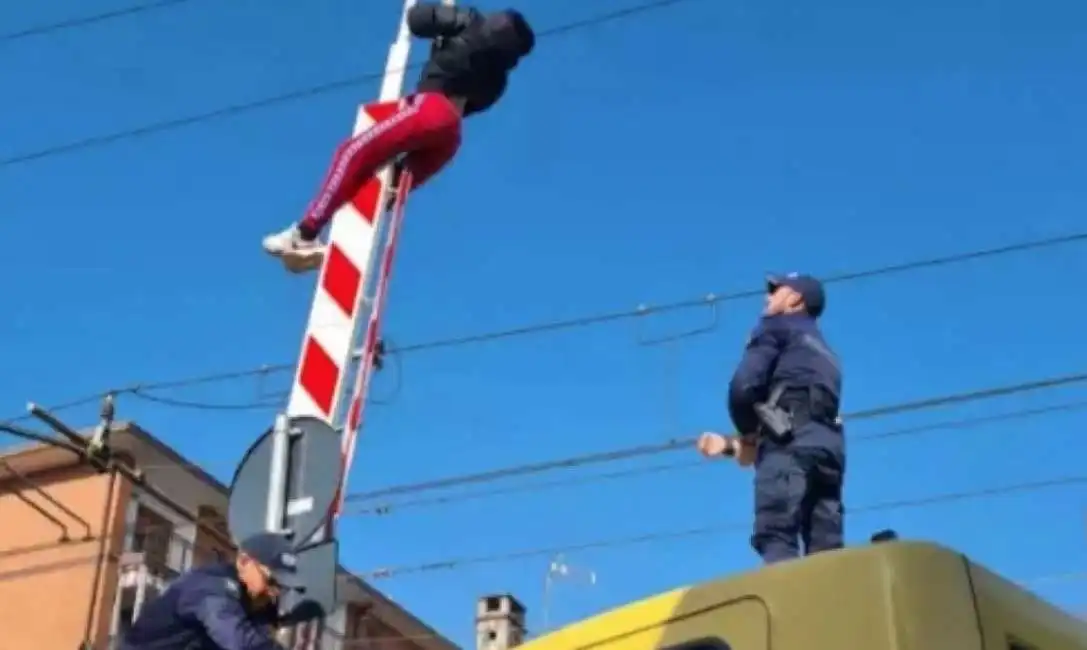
{"points": [[54, 594], [52, 590]]}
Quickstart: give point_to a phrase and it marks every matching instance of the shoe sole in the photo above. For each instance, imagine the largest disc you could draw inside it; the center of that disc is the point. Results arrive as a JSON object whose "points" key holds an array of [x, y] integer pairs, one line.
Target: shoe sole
{"points": [[301, 261]]}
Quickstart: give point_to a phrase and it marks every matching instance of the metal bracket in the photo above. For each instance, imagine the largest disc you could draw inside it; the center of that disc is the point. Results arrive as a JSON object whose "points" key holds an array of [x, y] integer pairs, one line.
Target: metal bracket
{"points": [[98, 458], [100, 440], [710, 300]]}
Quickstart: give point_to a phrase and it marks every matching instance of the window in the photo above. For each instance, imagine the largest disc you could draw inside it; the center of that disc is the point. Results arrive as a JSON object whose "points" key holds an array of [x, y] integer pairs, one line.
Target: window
{"points": [[152, 536]]}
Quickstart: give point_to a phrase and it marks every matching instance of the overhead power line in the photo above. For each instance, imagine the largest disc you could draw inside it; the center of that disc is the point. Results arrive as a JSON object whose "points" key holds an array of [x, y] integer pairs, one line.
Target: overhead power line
{"points": [[674, 444], [294, 95], [736, 527], [64, 406], [637, 472], [145, 389], [838, 278], [87, 21], [276, 400]]}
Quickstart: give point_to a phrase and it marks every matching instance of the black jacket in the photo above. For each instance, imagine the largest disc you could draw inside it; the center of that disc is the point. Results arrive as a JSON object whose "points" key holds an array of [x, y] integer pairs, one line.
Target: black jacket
{"points": [[787, 350], [472, 54], [204, 609]]}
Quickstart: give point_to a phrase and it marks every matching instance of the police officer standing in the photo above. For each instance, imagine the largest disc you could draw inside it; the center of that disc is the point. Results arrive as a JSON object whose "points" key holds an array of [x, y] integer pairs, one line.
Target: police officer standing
{"points": [[783, 400], [229, 606]]}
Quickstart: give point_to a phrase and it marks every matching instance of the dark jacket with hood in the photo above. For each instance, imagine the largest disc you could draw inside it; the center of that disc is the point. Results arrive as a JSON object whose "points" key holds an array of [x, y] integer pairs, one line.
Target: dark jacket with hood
{"points": [[472, 54]]}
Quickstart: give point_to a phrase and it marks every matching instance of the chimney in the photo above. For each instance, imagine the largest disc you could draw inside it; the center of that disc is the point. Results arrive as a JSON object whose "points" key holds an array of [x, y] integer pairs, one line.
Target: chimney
{"points": [[500, 622]]}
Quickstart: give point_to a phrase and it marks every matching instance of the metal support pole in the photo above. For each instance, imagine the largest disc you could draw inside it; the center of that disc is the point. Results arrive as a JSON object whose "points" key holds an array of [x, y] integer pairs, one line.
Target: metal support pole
{"points": [[392, 87], [34, 436], [376, 270], [277, 475], [56, 425]]}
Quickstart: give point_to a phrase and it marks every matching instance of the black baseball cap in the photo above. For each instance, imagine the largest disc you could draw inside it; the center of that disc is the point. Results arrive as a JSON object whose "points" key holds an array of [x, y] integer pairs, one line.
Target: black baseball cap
{"points": [[276, 553], [815, 299]]}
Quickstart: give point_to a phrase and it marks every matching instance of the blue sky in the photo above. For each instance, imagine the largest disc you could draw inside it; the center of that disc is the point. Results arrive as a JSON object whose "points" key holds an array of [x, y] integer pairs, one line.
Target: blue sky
{"points": [[675, 153]]}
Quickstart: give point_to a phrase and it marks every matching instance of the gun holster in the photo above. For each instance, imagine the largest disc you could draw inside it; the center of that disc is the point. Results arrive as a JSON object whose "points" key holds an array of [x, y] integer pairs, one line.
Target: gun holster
{"points": [[803, 405], [777, 423]]}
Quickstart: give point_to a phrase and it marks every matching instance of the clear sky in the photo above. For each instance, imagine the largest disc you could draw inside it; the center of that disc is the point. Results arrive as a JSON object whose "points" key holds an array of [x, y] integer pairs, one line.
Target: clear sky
{"points": [[674, 153]]}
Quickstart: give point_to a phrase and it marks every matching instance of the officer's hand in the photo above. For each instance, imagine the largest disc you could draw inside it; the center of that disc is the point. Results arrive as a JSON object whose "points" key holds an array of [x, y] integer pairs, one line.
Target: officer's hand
{"points": [[746, 452], [713, 444]]}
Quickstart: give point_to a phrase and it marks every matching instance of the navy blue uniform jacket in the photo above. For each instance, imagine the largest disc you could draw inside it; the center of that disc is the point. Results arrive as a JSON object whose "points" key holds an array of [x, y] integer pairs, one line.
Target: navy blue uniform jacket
{"points": [[786, 349], [472, 53], [204, 609]]}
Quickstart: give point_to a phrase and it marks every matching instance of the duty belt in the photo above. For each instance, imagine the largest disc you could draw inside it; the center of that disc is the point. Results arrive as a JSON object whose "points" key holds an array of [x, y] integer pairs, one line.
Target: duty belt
{"points": [[788, 408]]}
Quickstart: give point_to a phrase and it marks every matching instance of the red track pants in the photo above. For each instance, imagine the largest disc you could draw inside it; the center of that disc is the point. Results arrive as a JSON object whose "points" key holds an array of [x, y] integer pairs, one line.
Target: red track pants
{"points": [[426, 128]]}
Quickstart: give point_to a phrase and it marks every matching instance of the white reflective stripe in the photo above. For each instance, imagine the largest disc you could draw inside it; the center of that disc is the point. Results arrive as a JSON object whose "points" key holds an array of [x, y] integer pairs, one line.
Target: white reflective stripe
{"points": [[343, 161]]}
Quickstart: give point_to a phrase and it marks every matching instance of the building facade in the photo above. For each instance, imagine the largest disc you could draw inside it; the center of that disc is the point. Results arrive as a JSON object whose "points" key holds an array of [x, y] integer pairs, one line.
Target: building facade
{"points": [[80, 552]]}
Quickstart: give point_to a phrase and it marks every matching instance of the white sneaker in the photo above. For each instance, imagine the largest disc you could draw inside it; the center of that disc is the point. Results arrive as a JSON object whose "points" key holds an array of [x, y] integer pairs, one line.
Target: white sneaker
{"points": [[298, 254]]}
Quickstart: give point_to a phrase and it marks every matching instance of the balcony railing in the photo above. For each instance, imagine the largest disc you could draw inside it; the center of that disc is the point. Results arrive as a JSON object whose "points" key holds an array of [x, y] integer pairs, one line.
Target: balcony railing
{"points": [[305, 639], [146, 571]]}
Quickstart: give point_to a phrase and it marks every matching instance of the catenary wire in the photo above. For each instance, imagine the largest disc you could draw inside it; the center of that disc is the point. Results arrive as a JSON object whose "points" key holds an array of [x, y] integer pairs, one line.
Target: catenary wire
{"points": [[898, 408], [87, 21], [637, 472], [296, 94], [712, 299], [271, 402], [265, 370], [677, 535], [718, 529], [685, 443], [63, 406]]}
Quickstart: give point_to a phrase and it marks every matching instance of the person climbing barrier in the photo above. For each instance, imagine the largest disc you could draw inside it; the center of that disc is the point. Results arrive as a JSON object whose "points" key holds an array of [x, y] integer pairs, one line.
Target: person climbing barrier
{"points": [[467, 73]]}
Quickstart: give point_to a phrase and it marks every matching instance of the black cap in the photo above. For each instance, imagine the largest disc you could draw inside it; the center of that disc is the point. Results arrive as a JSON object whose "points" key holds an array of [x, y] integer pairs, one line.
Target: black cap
{"points": [[275, 553], [810, 289]]}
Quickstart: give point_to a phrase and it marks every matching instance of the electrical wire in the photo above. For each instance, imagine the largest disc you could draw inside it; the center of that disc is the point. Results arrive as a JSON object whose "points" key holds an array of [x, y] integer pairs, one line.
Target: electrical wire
{"points": [[296, 94], [638, 472], [718, 529], [712, 299], [272, 402], [86, 21], [1047, 383], [685, 443], [264, 371], [63, 406]]}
